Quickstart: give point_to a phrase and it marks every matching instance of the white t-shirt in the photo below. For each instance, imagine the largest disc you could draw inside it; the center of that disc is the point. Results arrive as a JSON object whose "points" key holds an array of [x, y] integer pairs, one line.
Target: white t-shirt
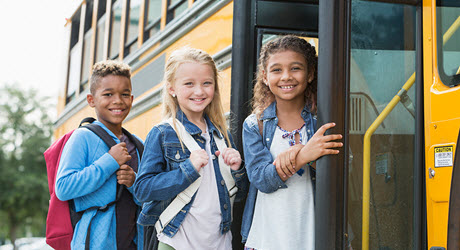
{"points": [[284, 219], [201, 226]]}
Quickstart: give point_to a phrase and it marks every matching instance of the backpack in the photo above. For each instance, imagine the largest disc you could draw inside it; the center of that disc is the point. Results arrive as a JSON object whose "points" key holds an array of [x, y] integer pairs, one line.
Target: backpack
{"points": [[61, 219]]}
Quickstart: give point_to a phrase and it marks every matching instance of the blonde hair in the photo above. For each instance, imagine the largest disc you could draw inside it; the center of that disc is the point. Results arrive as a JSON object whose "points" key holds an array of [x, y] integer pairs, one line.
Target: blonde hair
{"points": [[105, 68], [263, 97], [214, 110]]}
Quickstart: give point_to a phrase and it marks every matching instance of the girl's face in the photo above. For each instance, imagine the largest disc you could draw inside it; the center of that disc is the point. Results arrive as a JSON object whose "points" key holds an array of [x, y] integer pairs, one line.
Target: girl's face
{"points": [[193, 86], [287, 76]]}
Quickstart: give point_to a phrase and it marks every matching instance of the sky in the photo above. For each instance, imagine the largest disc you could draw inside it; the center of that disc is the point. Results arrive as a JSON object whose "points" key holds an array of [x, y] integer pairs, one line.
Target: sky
{"points": [[31, 47]]}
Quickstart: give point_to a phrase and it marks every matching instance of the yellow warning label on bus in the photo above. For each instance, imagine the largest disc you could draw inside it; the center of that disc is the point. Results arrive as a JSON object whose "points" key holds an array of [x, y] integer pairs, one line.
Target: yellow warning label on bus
{"points": [[443, 156]]}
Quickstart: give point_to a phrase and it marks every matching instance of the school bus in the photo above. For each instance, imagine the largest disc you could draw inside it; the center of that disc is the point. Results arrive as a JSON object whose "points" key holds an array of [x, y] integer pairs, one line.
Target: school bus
{"points": [[388, 76]]}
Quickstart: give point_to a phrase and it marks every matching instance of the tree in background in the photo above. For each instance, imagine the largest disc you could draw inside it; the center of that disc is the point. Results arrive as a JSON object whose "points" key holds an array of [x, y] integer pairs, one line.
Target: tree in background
{"points": [[25, 132]]}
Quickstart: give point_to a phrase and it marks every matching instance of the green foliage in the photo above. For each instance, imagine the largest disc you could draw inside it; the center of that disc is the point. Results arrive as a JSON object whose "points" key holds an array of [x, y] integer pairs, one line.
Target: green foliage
{"points": [[25, 132]]}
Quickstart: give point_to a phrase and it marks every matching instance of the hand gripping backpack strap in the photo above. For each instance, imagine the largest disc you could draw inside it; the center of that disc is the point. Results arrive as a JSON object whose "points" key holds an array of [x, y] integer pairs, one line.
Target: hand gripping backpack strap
{"points": [[225, 170], [108, 140], [185, 196], [192, 145]]}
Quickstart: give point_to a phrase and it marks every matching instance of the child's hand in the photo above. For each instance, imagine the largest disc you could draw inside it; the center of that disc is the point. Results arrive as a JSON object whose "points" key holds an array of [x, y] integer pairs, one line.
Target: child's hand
{"points": [[320, 144], [120, 153], [285, 162], [126, 175], [199, 159], [231, 157]]}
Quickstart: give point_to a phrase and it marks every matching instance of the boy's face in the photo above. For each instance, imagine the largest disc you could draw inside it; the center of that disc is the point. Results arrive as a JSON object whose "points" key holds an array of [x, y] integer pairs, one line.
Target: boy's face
{"points": [[112, 100]]}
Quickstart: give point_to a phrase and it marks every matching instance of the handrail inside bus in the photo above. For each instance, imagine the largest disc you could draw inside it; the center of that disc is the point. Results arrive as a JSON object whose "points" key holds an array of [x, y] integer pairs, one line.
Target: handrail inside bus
{"points": [[454, 27], [370, 131]]}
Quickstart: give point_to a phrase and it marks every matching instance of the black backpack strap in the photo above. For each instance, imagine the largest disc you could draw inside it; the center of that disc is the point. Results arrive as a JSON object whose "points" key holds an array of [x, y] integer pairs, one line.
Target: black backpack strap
{"points": [[99, 131], [137, 143], [110, 142], [87, 120]]}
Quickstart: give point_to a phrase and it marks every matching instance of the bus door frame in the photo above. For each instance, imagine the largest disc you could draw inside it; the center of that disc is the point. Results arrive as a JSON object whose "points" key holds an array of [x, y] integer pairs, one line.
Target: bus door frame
{"points": [[333, 91]]}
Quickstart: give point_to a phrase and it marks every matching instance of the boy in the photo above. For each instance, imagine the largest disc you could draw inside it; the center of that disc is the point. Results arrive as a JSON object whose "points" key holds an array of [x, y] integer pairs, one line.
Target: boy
{"points": [[88, 171]]}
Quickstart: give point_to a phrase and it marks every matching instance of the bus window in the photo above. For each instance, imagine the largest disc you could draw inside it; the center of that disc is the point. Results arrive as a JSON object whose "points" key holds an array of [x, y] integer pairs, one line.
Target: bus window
{"points": [[115, 30], [153, 14], [73, 80], [382, 59], [175, 8], [267, 37], [132, 26], [87, 46], [100, 30], [447, 25]]}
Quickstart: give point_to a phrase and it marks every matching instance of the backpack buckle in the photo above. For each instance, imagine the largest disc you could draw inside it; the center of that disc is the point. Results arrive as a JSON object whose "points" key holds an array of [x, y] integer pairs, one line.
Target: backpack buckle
{"points": [[103, 208]]}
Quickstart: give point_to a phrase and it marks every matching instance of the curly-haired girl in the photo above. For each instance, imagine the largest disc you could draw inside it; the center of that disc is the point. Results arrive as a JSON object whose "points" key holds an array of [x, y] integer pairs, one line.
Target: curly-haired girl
{"points": [[280, 143]]}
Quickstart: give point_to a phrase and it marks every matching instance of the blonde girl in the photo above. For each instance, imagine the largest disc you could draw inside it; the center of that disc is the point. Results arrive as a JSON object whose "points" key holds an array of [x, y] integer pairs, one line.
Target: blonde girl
{"points": [[280, 146], [191, 96]]}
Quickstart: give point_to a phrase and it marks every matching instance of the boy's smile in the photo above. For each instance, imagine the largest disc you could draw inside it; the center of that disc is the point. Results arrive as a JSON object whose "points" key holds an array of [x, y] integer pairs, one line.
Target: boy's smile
{"points": [[112, 101]]}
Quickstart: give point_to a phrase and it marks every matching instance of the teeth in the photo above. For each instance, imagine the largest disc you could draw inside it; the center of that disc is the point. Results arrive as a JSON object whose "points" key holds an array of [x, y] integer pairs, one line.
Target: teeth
{"points": [[287, 87], [198, 99], [116, 110]]}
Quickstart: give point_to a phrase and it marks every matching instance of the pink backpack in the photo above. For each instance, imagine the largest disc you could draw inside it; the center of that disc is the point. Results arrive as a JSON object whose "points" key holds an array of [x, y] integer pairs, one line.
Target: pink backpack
{"points": [[59, 230]]}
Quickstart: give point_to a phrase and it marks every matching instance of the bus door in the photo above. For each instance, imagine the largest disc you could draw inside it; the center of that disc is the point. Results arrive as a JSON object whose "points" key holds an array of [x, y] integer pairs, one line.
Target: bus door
{"points": [[370, 84], [442, 124], [256, 22]]}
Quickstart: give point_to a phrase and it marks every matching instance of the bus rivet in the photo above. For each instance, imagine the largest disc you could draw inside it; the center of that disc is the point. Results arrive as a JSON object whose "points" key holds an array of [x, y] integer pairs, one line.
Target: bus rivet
{"points": [[435, 126]]}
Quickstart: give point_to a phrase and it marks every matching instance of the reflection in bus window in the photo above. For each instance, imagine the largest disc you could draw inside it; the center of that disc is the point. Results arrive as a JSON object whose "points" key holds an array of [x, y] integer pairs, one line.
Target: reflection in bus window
{"points": [[132, 28], [447, 26], [115, 30], [382, 59], [153, 18]]}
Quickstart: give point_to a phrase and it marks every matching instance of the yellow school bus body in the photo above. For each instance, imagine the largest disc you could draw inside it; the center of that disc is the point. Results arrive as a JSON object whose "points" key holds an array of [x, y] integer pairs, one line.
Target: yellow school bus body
{"points": [[442, 123], [214, 35]]}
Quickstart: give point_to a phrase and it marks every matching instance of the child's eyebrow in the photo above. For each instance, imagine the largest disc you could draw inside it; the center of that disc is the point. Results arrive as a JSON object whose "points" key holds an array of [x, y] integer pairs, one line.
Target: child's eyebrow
{"points": [[298, 63], [110, 89], [278, 64]]}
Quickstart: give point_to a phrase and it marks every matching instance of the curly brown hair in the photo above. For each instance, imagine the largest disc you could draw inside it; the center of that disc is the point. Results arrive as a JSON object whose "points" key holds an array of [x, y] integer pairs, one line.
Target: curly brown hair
{"points": [[263, 97], [105, 68]]}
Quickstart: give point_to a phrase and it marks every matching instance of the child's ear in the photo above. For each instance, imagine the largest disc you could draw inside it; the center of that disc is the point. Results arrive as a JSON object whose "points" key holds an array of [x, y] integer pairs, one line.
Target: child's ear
{"points": [[264, 78], [311, 76], [171, 90], [90, 100]]}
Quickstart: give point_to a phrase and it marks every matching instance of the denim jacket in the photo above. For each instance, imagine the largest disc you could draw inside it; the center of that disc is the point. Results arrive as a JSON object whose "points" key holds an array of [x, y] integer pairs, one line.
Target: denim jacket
{"points": [[166, 170], [261, 172]]}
